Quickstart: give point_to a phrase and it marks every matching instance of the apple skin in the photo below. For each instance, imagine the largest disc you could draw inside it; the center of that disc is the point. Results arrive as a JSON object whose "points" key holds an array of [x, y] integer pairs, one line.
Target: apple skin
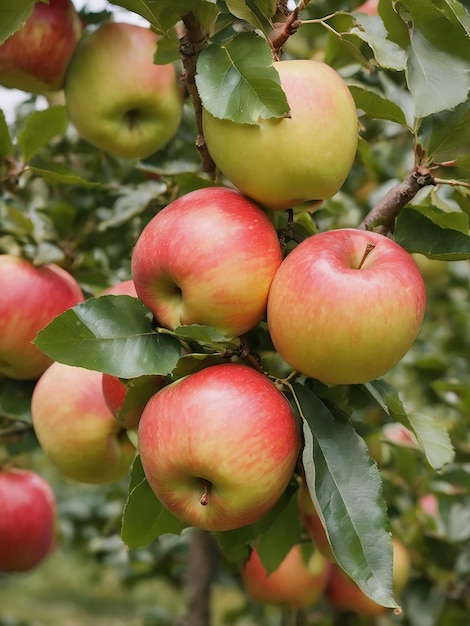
{"points": [[27, 520], [116, 97], [219, 447], [299, 581], [341, 322], [344, 595], [207, 258], [312, 522], [32, 296], [75, 428], [307, 156], [370, 7], [36, 56], [124, 288]]}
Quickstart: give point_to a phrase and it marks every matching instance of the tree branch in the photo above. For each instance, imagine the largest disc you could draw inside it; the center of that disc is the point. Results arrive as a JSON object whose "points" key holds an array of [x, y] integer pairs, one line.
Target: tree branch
{"points": [[382, 217], [199, 578]]}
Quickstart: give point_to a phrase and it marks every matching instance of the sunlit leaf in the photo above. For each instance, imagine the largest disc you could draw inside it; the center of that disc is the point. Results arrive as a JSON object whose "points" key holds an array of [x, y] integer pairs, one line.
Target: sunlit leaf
{"points": [[387, 53], [40, 128]]}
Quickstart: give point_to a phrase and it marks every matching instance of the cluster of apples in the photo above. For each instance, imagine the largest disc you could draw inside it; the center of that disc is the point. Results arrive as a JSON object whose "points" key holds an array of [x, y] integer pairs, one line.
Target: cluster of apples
{"points": [[116, 97]]}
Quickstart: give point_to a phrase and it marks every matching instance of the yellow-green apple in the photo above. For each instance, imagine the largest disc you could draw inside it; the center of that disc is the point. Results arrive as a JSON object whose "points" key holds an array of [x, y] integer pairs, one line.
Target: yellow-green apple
{"points": [[75, 428], [117, 98], [207, 258], [305, 156], [299, 581], [345, 306], [219, 446], [31, 297], [312, 522], [27, 520], [344, 595], [36, 56]]}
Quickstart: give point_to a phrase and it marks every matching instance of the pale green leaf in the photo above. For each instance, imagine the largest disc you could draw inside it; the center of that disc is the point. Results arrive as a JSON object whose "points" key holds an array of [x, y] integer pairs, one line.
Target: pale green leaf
{"points": [[371, 29], [40, 128]]}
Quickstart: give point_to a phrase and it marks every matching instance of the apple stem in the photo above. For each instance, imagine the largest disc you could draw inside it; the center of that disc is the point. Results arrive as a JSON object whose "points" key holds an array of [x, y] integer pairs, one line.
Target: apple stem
{"points": [[369, 247], [205, 496]]}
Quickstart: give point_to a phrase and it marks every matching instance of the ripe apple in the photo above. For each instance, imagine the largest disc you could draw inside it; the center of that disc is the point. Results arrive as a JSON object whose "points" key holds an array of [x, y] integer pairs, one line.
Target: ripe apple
{"points": [[219, 446], [75, 428], [312, 522], [299, 581], [117, 98], [306, 156], [345, 306], [370, 7], [124, 288], [27, 520], [36, 56], [207, 258], [344, 595], [31, 297]]}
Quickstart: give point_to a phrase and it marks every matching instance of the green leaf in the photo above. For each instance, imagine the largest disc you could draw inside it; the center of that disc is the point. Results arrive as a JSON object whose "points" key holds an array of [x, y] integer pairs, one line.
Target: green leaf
{"points": [[13, 15], [253, 14], [56, 173], [207, 336], [40, 128], [434, 233], [372, 30], [346, 489], [237, 81], [446, 136], [375, 105], [144, 517], [6, 145], [110, 334]]}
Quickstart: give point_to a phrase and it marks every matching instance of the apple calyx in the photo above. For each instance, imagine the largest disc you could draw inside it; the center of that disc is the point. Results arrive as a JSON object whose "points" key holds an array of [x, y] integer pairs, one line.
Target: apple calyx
{"points": [[369, 247]]}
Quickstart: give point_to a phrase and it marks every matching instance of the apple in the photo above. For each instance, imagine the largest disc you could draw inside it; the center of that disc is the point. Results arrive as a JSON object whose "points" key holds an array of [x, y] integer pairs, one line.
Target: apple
{"points": [[31, 297], [27, 520], [345, 306], [370, 7], [344, 595], [306, 156], [312, 522], [75, 428], [207, 258], [36, 56], [116, 97], [299, 581], [124, 288], [219, 447]]}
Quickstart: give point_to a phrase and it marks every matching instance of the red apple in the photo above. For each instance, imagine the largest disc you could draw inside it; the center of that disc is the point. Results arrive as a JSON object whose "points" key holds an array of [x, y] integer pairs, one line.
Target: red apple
{"points": [[31, 297], [306, 156], [298, 582], [371, 7], [312, 522], [207, 258], [125, 288], [27, 520], [75, 428], [345, 306], [219, 446], [118, 99], [344, 595], [35, 58]]}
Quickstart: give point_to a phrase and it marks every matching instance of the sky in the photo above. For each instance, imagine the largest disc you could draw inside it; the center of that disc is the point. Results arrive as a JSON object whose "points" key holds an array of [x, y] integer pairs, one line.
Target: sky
{"points": [[10, 98]]}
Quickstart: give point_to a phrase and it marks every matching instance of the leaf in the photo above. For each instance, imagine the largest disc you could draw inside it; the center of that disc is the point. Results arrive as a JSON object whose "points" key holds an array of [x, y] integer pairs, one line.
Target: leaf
{"points": [[111, 334], [237, 81], [434, 233], [13, 15], [207, 336], [56, 173], [40, 128], [346, 489], [372, 30], [375, 105], [144, 517], [447, 134], [6, 145], [240, 9]]}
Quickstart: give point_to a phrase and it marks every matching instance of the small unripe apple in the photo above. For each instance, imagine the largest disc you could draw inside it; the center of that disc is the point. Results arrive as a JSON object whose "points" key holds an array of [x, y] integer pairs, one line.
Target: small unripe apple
{"points": [[27, 520]]}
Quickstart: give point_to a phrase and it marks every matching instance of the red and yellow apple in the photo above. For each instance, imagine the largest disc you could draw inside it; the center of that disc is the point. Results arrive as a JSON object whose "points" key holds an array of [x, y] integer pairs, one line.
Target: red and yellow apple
{"points": [[27, 520], [219, 447], [75, 428], [207, 258], [118, 99], [299, 581], [36, 56], [305, 156], [345, 306], [31, 297]]}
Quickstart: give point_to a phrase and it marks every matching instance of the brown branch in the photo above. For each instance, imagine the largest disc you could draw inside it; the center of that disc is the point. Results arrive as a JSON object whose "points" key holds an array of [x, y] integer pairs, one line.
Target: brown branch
{"points": [[382, 217], [283, 30], [199, 578], [191, 43]]}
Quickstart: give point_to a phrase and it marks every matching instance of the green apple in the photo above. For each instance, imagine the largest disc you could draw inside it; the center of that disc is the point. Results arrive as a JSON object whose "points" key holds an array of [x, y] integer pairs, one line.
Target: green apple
{"points": [[207, 258], [299, 581], [219, 447], [116, 97], [32, 296], [27, 520], [306, 156], [36, 56], [76, 429], [345, 306]]}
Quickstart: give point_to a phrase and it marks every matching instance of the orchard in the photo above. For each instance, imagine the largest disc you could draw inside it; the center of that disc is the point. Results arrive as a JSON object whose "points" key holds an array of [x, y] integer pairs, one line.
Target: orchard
{"points": [[235, 313]]}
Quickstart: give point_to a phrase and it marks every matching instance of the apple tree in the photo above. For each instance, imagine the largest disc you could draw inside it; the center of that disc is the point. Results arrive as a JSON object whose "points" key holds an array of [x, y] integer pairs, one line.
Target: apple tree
{"points": [[359, 149]]}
